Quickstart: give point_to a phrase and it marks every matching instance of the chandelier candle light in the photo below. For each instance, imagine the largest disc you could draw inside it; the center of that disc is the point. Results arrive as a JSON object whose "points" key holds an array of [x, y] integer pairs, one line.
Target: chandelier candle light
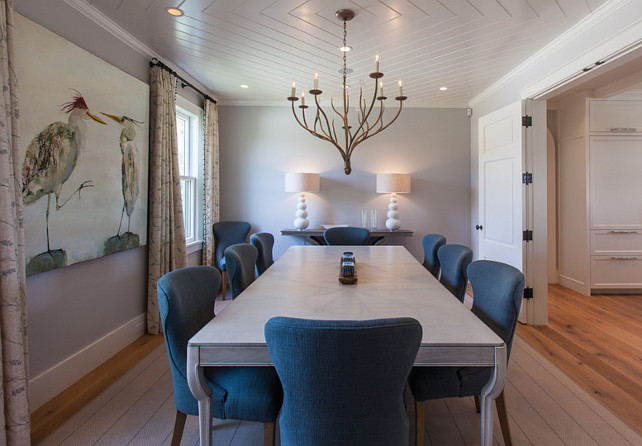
{"points": [[393, 183], [325, 129], [302, 182]]}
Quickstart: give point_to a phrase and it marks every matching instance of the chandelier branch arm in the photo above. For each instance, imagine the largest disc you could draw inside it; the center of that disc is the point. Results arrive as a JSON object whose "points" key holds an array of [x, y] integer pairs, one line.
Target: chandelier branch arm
{"points": [[312, 132], [327, 132], [358, 133]]}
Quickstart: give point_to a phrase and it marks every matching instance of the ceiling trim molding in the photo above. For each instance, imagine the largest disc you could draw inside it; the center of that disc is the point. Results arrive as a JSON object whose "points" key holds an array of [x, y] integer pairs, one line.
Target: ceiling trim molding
{"points": [[575, 32], [128, 39], [112, 27]]}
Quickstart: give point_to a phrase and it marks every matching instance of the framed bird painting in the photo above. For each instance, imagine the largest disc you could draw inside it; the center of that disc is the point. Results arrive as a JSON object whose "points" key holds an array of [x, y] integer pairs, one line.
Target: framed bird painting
{"points": [[84, 152]]}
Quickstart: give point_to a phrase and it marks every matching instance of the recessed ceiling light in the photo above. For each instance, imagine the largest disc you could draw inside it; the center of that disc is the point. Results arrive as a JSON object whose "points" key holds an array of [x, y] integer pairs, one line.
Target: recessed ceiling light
{"points": [[244, 86], [176, 12], [345, 49], [444, 88]]}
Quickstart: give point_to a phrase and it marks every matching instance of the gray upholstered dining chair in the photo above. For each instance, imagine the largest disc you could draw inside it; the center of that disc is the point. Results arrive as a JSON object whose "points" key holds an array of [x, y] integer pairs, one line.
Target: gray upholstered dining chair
{"points": [[240, 260], [497, 298], [186, 301], [346, 236], [431, 244], [343, 381], [263, 242], [227, 233], [454, 261]]}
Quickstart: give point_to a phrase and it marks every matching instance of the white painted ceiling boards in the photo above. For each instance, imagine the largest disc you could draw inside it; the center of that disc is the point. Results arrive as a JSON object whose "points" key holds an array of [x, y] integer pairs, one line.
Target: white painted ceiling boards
{"points": [[464, 45]]}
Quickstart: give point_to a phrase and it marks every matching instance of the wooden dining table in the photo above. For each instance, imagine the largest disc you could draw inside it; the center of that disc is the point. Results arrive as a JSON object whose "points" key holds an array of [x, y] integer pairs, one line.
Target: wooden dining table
{"points": [[304, 283]]}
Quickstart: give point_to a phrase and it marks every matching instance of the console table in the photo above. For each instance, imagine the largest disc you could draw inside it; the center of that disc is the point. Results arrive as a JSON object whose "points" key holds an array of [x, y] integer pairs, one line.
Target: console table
{"points": [[377, 236]]}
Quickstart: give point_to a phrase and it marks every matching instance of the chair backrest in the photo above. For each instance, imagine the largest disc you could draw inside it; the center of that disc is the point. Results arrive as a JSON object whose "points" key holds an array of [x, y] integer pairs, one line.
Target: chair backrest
{"points": [[227, 233], [186, 302], [432, 243], [240, 260], [454, 261], [498, 290], [343, 381], [263, 242], [346, 236]]}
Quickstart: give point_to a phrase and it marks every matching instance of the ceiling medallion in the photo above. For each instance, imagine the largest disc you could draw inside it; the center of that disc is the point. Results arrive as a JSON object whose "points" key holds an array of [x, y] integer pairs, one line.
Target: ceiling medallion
{"points": [[324, 128]]}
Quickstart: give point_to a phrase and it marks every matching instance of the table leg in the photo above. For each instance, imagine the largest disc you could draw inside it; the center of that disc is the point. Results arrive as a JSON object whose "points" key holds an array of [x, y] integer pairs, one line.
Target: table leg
{"points": [[488, 394], [199, 388]]}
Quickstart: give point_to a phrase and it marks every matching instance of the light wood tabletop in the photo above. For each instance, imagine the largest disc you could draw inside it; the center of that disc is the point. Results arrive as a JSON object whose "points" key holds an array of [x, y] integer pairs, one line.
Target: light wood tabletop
{"points": [[304, 283]]}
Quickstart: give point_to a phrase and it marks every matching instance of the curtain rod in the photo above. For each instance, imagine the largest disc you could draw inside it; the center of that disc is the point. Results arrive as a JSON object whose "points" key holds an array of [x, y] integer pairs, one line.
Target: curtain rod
{"points": [[184, 82]]}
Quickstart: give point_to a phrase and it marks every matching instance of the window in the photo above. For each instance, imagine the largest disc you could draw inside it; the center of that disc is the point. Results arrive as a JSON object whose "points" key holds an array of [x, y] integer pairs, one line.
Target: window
{"points": [[189, 132]]}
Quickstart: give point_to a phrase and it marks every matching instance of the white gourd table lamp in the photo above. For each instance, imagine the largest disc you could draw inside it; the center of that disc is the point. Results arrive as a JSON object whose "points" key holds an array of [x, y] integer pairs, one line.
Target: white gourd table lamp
{"points": [[302, 182], [393, 183]]}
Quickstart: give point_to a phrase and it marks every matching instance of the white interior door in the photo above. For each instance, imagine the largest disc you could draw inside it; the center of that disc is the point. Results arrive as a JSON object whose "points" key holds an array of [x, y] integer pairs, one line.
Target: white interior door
{"points": [[500, 186]]}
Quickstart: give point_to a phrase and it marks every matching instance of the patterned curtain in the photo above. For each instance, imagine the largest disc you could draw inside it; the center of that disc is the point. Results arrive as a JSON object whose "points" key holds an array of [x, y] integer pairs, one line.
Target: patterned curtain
{"points": [[166, 234], [13, 317], [210, 177]]}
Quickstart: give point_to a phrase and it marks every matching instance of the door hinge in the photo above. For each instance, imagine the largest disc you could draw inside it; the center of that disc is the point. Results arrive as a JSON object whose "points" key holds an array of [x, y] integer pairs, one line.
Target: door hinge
{"points": [[527, 178], [527, 235], [527, 121], [528, 293]]}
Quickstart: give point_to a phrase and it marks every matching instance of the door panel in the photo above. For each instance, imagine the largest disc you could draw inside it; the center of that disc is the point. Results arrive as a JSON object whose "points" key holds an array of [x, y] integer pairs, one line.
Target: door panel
{"points": [[500, 192]]}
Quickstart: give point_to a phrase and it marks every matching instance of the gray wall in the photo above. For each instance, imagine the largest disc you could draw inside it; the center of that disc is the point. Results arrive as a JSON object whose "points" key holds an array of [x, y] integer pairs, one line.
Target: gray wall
{"points": [[259, 144]]}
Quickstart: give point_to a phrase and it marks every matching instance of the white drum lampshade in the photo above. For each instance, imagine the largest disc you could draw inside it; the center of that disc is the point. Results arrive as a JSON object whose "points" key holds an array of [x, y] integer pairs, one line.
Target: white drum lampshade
{"points": [[393, 183], [302, 182]]}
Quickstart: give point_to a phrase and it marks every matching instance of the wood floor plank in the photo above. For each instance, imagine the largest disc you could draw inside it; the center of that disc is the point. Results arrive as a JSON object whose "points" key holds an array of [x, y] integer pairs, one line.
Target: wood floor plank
{"points": [[597, 421], [106, 415], [54, 413], [582, 335], [440, 425]]}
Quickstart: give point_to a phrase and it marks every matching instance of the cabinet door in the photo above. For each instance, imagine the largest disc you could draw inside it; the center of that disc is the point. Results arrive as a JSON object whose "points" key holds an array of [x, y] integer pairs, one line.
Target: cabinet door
{"points": [[615, 182], [615, 116], [616, 272]]}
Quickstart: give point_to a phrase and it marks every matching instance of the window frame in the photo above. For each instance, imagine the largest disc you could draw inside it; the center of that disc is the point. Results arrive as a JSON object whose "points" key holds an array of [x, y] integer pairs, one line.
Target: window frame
{"points": [[192, 180]]}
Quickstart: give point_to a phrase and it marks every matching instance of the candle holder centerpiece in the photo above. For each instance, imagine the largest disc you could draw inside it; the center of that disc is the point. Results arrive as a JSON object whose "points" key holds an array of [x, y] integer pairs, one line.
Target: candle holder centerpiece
{"points": [[367, 126]]}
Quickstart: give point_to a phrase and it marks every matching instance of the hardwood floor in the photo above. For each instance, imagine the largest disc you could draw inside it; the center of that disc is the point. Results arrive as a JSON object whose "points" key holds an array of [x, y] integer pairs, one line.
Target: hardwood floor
{"points": [[55, 412], [597, 341]]}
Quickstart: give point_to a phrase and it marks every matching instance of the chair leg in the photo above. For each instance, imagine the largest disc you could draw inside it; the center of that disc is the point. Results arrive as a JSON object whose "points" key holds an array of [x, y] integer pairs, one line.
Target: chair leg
{"points": [[420, 422], [179, 425], [223, 284], [503, 419], [269, 433], [477, 403]]}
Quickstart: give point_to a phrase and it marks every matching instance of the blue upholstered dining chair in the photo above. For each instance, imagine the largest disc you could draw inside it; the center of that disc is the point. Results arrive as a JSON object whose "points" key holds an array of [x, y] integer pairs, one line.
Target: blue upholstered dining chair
{"points": [[240, 260], [186, 301], [263, 242], [497, 298], [431, 244], [346, 236], [454, 260], [343, 381], [227, 233]]}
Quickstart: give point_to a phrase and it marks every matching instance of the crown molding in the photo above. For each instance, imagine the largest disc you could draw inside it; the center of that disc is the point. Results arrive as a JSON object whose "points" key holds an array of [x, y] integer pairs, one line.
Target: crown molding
{"points": [[112, 27], [575, 32], [128, 39]]}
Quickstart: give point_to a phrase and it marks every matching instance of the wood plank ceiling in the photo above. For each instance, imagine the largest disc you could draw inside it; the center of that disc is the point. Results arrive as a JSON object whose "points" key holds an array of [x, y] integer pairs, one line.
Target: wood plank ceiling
{"points": [[464, 45]]}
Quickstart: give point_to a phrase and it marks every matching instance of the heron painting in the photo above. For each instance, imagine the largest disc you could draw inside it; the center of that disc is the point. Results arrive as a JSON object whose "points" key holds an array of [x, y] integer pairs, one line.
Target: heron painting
{"points": [[49, 162], [129, 178], [85, 174]]}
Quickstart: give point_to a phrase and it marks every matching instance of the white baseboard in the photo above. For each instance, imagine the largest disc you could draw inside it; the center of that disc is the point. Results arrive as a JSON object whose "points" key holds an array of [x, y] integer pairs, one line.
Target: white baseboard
{"points": [[51, 382]]}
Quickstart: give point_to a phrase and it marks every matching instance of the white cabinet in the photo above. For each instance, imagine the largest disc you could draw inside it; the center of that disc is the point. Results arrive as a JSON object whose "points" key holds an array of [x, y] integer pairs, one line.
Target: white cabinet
{"points": [[615, 194], [615, 116], [615, 179]]}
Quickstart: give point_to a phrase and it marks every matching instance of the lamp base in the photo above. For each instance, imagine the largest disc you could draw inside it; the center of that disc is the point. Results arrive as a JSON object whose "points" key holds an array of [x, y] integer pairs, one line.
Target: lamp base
{"points": [[301, 222], [393, 222]]}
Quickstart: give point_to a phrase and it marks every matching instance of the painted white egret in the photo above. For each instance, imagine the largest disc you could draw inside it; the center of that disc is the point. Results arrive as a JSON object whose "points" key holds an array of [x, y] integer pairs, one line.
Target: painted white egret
{"points": [[129, 166], [52, 155]]}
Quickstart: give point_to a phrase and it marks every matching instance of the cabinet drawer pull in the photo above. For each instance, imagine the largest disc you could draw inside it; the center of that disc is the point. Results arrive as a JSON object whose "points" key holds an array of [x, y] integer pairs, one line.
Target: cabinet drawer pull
{"points": [[623, 258], [624, 129], [623, 232]]}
